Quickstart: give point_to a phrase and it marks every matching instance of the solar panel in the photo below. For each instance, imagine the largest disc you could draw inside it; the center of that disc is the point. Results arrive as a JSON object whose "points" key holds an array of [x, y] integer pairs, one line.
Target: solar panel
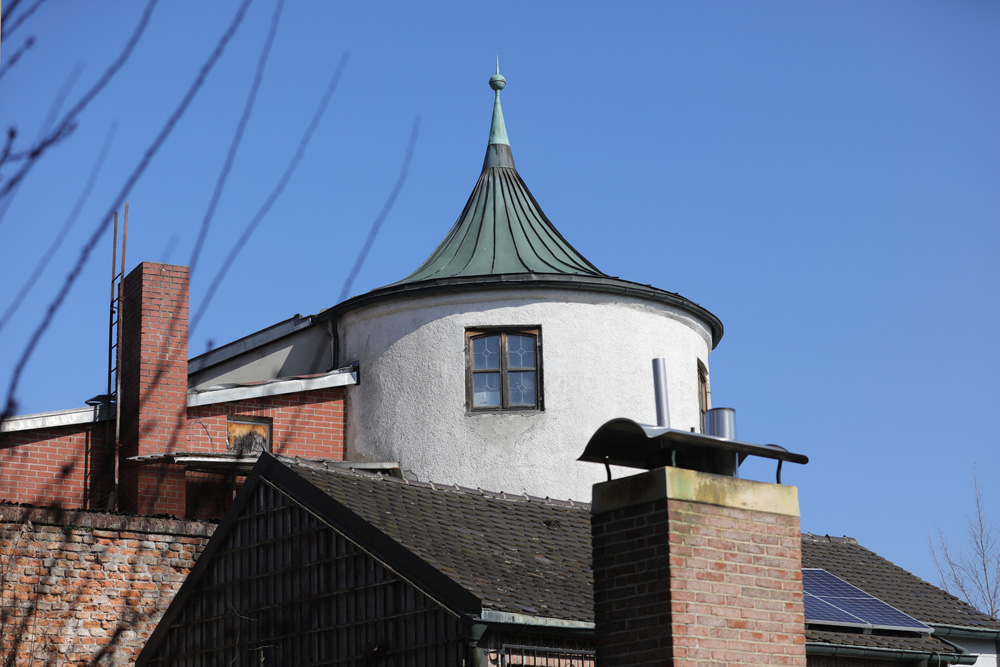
{"points": [[829, 600]]}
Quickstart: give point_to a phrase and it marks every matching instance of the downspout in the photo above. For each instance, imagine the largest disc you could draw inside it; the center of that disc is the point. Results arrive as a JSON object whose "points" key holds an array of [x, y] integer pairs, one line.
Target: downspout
{"points": [[331, 330], [942, 631]]}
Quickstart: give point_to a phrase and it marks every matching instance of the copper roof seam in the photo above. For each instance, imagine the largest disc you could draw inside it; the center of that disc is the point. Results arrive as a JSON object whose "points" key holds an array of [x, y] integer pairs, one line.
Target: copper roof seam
{"points": [[503, 178], [552, 229], [524, 215], [555, 247]]}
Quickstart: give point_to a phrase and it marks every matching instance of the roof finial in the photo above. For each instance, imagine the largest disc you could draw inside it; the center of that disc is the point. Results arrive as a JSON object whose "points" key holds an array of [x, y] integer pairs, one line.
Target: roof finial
{"points": [[498, 132]]}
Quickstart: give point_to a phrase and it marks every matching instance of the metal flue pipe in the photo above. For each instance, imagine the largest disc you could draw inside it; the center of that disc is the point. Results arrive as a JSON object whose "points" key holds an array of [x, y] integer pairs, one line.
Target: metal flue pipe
{"points": [[660, 392]]}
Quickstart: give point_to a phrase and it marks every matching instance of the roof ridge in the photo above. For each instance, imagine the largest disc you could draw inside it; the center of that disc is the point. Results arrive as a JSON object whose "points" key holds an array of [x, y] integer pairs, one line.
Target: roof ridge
{"points": [[830, 538], [329, 465]]}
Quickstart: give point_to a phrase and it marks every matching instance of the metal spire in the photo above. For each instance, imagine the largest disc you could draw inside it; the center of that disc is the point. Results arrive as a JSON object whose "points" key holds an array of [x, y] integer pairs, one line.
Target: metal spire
{"points": [[498, 132]]}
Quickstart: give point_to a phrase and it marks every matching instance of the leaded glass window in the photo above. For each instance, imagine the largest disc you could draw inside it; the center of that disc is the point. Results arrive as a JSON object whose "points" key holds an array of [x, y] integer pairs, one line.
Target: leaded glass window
{"points": [[503, 369]]}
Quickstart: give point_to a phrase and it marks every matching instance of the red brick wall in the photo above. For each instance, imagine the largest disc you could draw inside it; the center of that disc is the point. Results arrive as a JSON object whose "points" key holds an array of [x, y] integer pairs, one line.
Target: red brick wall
{"points": [[66, 466], [308, 424], [154, 354], [736, 586], [69, 467], [76, 586], [687, 583], [632, 606]]}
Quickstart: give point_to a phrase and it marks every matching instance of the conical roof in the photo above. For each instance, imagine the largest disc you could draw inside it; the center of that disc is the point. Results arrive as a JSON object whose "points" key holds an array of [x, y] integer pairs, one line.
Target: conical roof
{"points": [[502, 229], [502, 240]]}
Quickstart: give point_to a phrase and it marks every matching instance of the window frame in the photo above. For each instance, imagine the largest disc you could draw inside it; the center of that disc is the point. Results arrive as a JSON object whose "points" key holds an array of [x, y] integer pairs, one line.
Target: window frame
{"points": [[704, 394], [267, 422], [472, 333]]}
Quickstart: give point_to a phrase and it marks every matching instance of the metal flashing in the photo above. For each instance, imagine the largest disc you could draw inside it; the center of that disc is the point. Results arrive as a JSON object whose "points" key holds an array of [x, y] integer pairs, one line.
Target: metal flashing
{"points": [[338, 378], [56, 418], [600, 284], [248, 343], [505, 618]]}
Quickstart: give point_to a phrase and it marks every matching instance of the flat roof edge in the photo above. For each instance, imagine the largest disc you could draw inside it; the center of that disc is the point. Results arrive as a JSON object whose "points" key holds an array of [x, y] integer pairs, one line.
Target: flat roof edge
{"points": [[338, 378], [71, 417]]}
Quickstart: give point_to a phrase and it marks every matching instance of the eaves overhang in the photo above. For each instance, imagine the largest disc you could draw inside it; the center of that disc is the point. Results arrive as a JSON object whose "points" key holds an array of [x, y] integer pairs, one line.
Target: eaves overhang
{"points": [[575, 283], [959, 657]]}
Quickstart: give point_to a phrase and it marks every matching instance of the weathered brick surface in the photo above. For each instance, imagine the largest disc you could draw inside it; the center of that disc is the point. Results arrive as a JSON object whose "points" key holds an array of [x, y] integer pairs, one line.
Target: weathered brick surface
{"points": [[692, 584], [88, 588]]}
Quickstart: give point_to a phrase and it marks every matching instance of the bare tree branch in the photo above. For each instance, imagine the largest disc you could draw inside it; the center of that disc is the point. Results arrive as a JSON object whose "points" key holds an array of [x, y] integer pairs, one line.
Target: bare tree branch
{"points": [[273, 197], [63, 231], [380, 218], [28, 43], [237, 137], [22, 18], [972, 573], [82, 103], [11, 403], [50, 119]]}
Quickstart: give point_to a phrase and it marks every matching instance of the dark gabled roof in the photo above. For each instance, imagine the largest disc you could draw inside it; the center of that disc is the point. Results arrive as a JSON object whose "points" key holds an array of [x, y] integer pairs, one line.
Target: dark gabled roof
{"points": [[517, 554], [847, 559]]}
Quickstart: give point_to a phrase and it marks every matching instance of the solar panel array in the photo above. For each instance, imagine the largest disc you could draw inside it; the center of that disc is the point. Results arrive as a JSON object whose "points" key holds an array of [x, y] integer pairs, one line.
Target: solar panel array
{"points": [[829, 600]]}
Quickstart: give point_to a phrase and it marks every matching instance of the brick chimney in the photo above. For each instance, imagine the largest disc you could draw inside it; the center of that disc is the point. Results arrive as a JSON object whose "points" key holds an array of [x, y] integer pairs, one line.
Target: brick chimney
{"points": [[692, 568], [153, 401]]}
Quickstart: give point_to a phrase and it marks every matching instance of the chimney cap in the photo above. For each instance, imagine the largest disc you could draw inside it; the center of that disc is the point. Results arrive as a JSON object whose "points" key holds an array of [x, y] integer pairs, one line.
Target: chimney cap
{"points": [[624, 442]]}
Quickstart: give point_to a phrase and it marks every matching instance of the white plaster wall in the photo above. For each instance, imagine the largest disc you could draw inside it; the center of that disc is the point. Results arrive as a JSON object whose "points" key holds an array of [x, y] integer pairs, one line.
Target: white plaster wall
{"points": [[986, 649], [596, 364]]}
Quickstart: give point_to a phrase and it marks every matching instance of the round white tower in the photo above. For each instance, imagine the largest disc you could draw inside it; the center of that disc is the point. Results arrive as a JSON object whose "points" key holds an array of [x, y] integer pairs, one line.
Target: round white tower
{"points": [[494, 362]]}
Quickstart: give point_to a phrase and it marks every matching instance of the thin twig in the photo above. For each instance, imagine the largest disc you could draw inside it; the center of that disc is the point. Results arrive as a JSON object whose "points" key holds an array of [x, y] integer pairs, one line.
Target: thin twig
{"points": [[63, 231], [380, 218], [10, 403], [8, 30], [69, 118], [271, 198], [237, 137], [50, 119], [28, 43]]}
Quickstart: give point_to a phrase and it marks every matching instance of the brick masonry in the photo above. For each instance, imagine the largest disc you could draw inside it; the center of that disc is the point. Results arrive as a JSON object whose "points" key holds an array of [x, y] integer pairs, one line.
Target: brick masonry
{"points": [[65, 466], [154, 354], [87, 588], [686, 583], [71, 467]]}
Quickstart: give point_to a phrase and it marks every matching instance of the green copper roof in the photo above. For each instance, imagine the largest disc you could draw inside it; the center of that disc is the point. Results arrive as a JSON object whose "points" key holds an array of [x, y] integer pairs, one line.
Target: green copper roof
{"points": [[502, 229]]}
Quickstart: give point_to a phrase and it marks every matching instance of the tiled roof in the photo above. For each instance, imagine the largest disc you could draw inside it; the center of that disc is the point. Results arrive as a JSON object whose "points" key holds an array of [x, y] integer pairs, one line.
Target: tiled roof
{"points": [[517, 554], [526, 555], [890, 583]]}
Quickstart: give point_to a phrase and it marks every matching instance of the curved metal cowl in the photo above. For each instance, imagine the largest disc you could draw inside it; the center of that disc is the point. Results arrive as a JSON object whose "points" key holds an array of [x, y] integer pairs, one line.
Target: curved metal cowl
{"points": [[502, 230]]}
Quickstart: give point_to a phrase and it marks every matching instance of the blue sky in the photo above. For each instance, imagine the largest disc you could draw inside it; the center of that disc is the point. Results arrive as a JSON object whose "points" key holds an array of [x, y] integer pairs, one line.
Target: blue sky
{"points": [[822, 176]]}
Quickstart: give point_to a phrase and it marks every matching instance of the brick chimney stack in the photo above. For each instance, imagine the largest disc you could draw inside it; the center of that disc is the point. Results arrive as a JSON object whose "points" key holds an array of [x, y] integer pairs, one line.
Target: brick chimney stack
{"points": [[692, 569], [153, 401]]}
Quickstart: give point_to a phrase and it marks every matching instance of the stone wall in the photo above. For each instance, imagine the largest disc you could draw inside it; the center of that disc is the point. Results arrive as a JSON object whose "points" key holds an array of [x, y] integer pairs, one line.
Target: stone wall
{"points": [[86, 587]]}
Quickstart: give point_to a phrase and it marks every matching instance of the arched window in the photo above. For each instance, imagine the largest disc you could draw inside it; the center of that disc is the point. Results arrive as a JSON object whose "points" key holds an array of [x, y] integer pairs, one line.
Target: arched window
{"points": [[503, 369]]}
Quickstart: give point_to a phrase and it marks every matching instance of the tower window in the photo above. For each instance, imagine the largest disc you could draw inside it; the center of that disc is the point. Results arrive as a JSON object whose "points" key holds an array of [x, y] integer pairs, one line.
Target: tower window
{"points": [[704, 395], [503, 369]]}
